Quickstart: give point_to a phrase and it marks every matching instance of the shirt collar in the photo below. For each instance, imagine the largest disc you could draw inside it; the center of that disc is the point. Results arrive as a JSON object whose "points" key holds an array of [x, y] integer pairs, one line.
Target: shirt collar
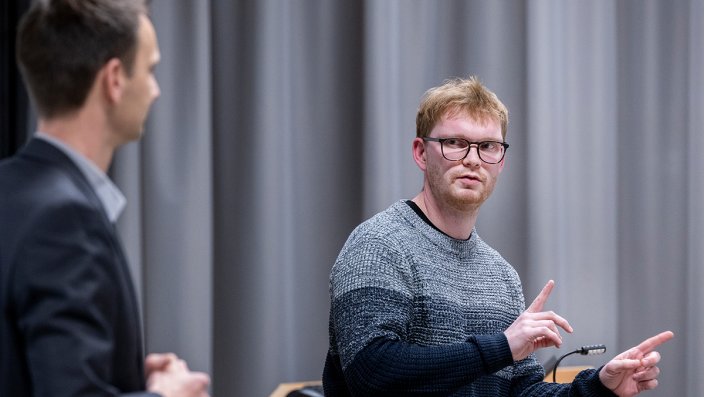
{"points": [[110, 196]]}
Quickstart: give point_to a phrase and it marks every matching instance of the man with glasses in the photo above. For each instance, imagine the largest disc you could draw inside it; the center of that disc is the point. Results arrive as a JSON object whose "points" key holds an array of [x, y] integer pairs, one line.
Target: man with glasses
{"points": [[420, 305]]}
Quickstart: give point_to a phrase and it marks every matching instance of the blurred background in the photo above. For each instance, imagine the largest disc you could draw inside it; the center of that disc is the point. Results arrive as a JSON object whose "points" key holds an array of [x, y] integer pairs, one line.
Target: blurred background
{"points": [[283, 124]]}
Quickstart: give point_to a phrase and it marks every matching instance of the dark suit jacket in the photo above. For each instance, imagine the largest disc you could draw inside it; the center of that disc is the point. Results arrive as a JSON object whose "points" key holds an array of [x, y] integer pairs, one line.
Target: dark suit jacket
{"points": [[70, 322]]}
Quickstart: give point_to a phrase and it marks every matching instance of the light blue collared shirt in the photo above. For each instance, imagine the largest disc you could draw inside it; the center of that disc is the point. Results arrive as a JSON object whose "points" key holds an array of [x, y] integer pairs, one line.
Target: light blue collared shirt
{"points": [[110, 196]]}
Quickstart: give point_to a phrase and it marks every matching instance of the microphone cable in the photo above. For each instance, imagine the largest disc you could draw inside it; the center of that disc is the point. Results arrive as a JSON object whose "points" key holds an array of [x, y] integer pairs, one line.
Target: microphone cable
{"points": [[584, 350]]}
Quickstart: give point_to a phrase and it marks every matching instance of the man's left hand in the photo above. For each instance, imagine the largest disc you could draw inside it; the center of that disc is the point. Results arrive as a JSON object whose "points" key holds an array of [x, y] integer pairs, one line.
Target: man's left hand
{"points": [[635, 370]]}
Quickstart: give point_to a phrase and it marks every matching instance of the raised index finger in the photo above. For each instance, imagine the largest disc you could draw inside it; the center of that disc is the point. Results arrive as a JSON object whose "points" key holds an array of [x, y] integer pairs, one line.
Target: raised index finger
{"points": [[537, 305], [651, 343]]}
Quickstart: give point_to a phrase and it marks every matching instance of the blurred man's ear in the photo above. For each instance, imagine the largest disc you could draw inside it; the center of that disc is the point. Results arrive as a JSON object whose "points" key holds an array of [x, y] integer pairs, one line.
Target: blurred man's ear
{"points": [[112, 78]]}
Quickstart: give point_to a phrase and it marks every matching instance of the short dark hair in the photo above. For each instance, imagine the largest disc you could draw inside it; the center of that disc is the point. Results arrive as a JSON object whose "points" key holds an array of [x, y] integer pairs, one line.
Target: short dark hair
{"points": [[62, 44]]}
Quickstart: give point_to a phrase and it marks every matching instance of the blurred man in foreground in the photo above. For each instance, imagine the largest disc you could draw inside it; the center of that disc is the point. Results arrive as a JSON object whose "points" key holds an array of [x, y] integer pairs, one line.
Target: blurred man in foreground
{"points": [[70, 319]]}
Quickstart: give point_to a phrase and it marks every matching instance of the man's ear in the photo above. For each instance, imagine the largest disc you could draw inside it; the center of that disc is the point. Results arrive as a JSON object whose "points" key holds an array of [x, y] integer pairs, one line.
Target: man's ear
{"points": [[113, 78], [419, 152]]}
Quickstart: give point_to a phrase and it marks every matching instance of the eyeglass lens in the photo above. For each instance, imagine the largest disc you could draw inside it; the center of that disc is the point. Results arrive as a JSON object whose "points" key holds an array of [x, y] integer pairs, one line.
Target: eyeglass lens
{"points": [[458, 149]]}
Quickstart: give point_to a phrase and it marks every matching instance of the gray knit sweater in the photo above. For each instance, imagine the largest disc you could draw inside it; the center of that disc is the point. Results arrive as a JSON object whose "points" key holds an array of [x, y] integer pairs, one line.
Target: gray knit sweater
{"points": [[416, 312]]}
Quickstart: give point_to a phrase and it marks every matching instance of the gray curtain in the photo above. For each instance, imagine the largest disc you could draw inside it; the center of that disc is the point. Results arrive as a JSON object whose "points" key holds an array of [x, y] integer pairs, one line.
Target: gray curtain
{"points": [[284, 123]]}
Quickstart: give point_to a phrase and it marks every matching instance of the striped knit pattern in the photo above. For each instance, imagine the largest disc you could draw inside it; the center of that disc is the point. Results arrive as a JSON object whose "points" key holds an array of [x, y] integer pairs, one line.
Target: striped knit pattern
{"points": [[398, 279]]}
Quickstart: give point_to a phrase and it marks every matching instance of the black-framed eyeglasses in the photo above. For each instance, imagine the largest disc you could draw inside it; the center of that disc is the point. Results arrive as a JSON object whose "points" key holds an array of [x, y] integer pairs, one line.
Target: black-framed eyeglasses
{"points": [[454, 149]]}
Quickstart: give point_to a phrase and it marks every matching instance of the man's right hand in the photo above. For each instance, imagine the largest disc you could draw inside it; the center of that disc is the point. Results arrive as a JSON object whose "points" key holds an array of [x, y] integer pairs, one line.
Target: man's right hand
{"points": [[169, 376], [535, 329]]}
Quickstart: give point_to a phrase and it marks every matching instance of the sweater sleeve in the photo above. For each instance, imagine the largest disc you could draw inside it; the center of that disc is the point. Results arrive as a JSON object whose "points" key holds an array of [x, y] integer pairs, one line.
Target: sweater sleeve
{"points": [[586, 384], [386, 368]]}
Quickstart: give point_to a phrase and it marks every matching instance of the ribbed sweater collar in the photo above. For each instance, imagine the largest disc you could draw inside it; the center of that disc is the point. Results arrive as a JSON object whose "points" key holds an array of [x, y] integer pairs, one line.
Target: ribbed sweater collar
{"points": [[455, 246]]}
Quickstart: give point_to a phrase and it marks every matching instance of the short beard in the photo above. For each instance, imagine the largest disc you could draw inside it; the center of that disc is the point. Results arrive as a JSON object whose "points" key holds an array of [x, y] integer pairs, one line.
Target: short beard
{"points": [[441, 192]]}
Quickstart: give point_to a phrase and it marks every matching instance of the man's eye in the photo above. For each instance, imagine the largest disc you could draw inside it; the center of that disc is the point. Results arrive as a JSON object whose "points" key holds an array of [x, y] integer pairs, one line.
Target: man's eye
{"points": [[489, 146], [455, 143]]}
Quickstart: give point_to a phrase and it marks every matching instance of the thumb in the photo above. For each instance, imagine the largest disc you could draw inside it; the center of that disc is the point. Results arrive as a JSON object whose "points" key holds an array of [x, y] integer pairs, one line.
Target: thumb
{"points": [[202, 377], [159, 360], [619, 365]]}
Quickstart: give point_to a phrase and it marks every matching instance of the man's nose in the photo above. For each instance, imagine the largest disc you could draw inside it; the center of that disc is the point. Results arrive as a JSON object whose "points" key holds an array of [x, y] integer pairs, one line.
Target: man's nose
{"points": [[473, 157]]}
